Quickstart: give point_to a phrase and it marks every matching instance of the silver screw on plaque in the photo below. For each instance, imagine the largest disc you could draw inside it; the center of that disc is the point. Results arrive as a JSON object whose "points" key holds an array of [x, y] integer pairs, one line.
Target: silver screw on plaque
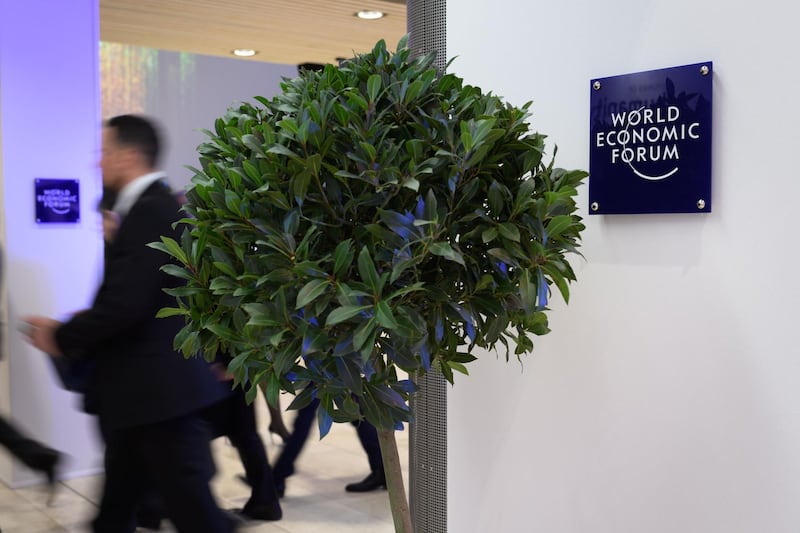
{"points": [[704, 70], [701, 203], [596, 86], [595, 206]]}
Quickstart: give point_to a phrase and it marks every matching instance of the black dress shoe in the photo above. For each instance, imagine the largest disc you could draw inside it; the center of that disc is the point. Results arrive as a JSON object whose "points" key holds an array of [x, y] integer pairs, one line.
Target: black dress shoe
{"points": [[266, 512], [280, 486], [374, 481], [44, 460], [47, 462]]}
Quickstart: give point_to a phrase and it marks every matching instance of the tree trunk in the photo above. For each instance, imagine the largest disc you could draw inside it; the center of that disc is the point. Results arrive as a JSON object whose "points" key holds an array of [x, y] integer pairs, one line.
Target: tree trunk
{"points": [[398, 501]]}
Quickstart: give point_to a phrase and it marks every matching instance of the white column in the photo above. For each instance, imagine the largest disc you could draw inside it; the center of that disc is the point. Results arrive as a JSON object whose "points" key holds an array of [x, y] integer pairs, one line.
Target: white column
{"points": [[49, 128]]}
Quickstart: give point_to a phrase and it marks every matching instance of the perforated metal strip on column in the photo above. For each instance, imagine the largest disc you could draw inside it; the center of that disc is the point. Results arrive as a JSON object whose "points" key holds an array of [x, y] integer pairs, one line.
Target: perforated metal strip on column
{"points": [[428, 455], [428, 434], [427, 28]]}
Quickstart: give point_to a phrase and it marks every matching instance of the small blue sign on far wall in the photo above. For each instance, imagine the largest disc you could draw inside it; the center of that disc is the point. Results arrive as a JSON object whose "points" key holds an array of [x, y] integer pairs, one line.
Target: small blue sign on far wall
{"points": [[57, 200], [650, 141]]}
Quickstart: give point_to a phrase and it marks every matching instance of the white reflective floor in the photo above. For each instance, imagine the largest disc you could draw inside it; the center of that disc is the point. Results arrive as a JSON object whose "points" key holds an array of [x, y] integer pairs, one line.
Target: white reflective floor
{"points": [[315, 498]]}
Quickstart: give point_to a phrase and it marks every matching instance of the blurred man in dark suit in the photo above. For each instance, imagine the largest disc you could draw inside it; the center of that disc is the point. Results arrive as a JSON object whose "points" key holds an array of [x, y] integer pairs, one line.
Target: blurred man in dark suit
{"points": [[148, 397]]}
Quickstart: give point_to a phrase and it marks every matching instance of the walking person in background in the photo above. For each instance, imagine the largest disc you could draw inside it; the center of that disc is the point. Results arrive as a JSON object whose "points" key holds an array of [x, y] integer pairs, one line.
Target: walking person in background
{"points": [[235, 419], [147, 396], [367, 436], [30, 452], [276, 424]]}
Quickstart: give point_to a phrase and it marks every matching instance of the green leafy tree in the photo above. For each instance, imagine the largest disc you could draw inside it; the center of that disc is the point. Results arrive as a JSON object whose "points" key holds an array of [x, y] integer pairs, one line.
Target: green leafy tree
{"points": [[373, 217]]}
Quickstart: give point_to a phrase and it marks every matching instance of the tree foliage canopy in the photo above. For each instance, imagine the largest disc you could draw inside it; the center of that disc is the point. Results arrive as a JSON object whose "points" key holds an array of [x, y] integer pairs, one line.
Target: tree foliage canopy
{"points": [[371, 217]]}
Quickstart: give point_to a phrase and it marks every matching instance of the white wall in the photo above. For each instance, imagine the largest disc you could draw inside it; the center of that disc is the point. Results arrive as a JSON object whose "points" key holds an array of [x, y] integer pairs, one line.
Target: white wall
{"points": [[667, 397], [50, 122]]}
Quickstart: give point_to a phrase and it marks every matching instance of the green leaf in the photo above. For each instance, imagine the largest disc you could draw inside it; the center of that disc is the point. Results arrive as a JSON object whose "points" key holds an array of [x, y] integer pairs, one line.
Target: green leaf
{"points": [[369, 149], [559, 280], [414, 90], [177, 271], [489, 234], [458, 367], [527, 291], [171, 247], [350, 375], [223, 332], [374, 87], [225, 268], [410, 183], [273, 389], [253, 143], [466, 136], [445, 250], [355, 99], [343, 257], [502, 255], [251, 171], [166, 312], [385, 316], [288, 124], [238, 362], [340, 314], [366, 269], [310, 292], [315, 340], [282, 150], [509, 231], [557, 225], [496, 198], [364, 332]]}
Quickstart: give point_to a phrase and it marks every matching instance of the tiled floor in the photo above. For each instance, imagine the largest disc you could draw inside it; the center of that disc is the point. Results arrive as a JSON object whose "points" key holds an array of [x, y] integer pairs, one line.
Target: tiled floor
{"points": [[315, 498]]}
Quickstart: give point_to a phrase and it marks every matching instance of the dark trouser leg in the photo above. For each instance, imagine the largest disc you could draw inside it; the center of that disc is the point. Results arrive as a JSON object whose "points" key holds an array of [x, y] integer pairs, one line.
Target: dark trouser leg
{"points": [[122, 487], [243, 433], [151, 509], [177, 456], [368, 436], [33, 453], [284, 466], [276, 424]]}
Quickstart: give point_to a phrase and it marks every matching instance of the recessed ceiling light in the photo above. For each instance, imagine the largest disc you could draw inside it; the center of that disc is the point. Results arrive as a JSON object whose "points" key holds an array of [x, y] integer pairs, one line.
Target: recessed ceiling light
{"points": [[370, 15], [244, 52]]}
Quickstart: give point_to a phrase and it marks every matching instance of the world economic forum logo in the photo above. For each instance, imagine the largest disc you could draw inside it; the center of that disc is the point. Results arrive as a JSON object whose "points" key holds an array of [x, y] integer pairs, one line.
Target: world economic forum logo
{"points": [[645, 135], [650, 141], [57, 200]]}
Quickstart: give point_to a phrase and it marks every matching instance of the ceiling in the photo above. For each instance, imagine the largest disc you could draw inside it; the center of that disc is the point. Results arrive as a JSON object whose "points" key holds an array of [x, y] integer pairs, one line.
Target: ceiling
{"points": [[282, 31]]}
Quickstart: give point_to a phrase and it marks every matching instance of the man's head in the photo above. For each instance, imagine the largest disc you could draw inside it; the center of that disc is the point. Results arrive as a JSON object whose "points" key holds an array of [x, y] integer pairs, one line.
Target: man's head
{"points": [[130, 149]]}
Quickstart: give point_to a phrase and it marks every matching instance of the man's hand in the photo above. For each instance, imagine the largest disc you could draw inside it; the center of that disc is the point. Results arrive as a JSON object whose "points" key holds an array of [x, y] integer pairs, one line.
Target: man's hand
{"points": [[111, 222], [220, 371], [42, 334]]}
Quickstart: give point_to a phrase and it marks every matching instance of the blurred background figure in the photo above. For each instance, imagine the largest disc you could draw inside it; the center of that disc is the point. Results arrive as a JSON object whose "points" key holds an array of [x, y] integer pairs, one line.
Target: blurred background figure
{"points": [[367, 436], [276, 423], [148, 397], [30, 452]]}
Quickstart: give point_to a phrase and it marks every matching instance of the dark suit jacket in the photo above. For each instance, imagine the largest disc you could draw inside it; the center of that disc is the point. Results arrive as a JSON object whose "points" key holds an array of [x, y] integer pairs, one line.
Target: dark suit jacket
{"points": [[138, 377]]}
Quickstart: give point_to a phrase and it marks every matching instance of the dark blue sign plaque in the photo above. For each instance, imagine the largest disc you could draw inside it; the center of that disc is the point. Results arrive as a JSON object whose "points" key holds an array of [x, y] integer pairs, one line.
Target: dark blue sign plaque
{"points": [[650, 141], [57, 200]]}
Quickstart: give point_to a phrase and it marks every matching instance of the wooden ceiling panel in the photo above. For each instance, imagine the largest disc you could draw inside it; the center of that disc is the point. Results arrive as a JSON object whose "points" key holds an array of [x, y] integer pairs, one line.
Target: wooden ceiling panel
{"points": [[282, 31]]}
